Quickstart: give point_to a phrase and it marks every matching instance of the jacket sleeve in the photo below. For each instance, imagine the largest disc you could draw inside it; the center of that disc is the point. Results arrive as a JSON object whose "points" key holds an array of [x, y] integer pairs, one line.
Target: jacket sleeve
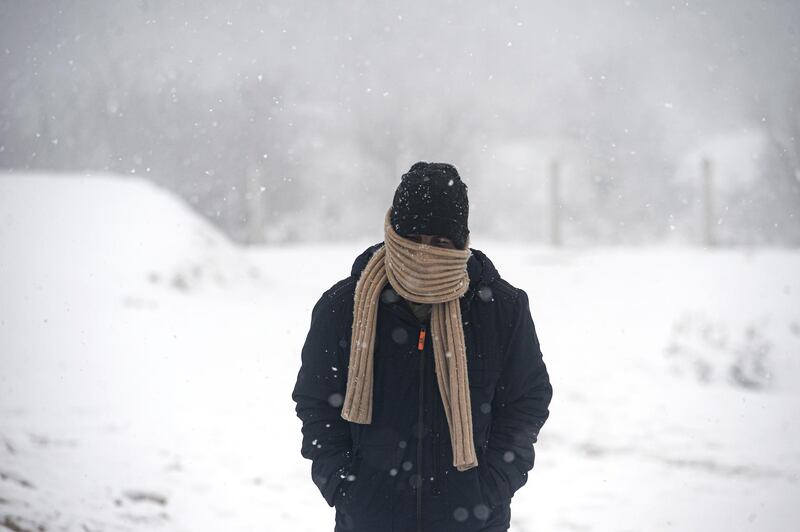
{"points": [[520, 409], [318, 394]]}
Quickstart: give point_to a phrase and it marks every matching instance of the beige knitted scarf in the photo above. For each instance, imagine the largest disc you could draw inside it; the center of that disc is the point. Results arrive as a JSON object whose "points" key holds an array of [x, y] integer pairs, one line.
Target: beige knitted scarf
{"points": [[424, 274]]}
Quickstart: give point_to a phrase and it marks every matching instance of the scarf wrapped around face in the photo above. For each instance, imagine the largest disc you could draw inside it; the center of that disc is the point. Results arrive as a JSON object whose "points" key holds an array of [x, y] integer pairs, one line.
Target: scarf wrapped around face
{"points": [[423, 274]]}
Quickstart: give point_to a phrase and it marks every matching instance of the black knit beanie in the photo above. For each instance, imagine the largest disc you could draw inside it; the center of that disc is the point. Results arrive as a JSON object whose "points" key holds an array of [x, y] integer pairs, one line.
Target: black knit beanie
{"points": [[432, 200]]}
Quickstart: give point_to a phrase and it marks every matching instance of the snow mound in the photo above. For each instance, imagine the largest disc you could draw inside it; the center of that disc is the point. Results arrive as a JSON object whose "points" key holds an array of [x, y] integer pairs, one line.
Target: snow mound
{"points": [[125, 229]]}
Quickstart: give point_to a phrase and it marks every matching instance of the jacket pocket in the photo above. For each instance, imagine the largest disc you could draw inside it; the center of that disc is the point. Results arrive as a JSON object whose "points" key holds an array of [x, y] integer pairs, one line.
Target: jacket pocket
{"points": [[343, 491], [369, 498], [482, 466], [465, 503]]}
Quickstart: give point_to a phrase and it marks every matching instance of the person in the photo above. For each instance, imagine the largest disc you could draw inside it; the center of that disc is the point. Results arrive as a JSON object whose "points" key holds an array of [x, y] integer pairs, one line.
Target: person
{"points": [[422, 385]]}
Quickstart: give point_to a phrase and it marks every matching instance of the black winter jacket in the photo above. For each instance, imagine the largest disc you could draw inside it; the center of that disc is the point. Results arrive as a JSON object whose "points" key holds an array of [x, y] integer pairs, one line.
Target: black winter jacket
{"points": [[396, 474]]}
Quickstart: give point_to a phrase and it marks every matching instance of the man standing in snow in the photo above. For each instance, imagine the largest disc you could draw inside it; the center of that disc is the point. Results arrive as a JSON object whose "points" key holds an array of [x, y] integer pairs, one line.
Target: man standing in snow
{"points": [[422, 387]]}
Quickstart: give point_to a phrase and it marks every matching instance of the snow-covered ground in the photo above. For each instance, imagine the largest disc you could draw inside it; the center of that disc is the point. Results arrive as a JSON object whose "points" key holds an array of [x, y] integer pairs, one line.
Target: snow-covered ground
{"points": [[146, 369]]}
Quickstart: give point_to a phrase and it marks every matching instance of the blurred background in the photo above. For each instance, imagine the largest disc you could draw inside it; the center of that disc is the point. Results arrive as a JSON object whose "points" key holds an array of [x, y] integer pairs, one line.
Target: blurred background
{"points": [[574, 122], [180, 182]]}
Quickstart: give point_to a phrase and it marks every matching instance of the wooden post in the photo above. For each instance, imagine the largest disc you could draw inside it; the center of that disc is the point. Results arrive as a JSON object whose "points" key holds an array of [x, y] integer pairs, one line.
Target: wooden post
{"points": [[708, 207], [254, 204], [555, 205]]}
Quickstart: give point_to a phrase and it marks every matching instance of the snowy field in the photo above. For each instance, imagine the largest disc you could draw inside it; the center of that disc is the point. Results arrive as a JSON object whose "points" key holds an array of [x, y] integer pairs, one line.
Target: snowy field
{"points": [[146, 369]]}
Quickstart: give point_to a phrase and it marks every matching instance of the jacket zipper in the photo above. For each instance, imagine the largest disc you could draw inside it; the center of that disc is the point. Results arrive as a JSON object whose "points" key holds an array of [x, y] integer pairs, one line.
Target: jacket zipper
{"points": [[421, 350], [435, 425], [356, 440]]}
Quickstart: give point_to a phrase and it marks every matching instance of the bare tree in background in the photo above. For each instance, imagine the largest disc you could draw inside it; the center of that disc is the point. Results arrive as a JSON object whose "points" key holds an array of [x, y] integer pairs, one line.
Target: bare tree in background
{"points": [[776, 197]]}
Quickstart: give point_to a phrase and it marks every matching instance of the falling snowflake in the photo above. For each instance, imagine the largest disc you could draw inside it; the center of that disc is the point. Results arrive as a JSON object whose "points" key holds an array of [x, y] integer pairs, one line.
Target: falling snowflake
{"points": [[400, 335], [481, 511], [485, 294], [335, 399]]}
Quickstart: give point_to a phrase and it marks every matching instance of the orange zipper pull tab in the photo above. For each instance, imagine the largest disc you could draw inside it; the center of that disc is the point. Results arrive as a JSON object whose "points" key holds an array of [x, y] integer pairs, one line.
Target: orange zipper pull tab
{"points": [[421, 341]]}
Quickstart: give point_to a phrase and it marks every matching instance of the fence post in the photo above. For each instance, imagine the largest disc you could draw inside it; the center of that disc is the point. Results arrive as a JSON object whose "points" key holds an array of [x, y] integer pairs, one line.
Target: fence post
{"points": [[555, 204], [254, 205], [708, 207]]}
